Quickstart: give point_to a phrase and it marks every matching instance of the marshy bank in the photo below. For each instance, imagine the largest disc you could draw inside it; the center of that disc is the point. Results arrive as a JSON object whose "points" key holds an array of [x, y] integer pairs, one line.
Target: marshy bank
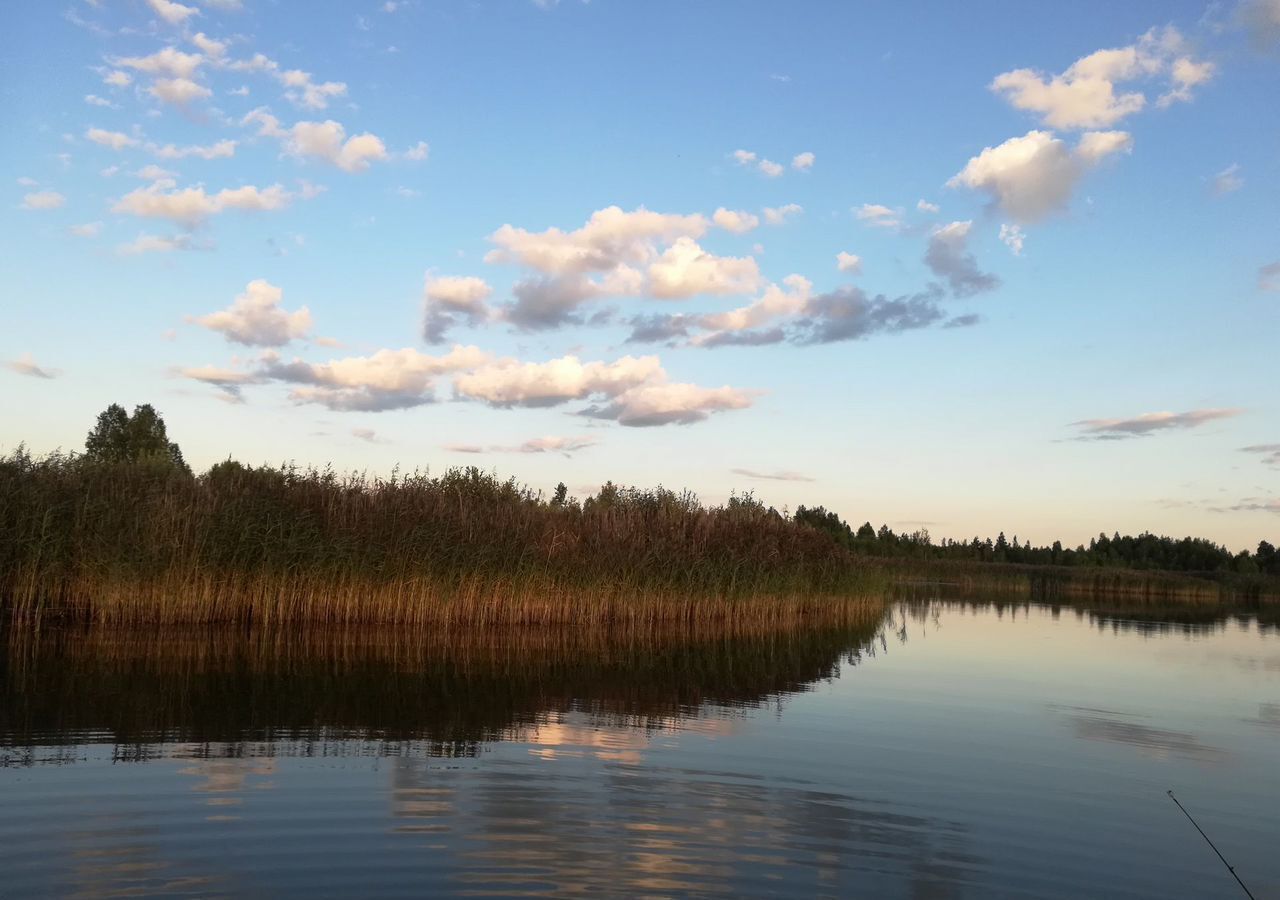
{"points": [[148, 543]]}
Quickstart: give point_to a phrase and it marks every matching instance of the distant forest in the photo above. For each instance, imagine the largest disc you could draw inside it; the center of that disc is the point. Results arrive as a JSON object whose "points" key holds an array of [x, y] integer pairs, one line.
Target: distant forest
{"points": [[1146, 551]]}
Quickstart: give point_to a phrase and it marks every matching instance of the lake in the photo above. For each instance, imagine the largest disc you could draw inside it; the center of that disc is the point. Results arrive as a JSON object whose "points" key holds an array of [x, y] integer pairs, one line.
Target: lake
{"points": [[924, 749]]}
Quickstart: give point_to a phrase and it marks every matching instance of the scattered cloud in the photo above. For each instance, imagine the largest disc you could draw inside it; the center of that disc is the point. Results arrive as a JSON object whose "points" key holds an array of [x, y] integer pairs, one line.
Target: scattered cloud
{"points": [[766, 167], [1227, 180], [173, 13], [26, 365], [217, 150], [230, 382], [87, 230], [151, 243], [43, 200], [256, 319], [849, 313], [116, 140], [1033, 176], [779, 475], [368, 435], [1013, 237], [849, 263], [178, 91], [1269, 277], [778, 215], [117, 79], [566, 446], [1088, 93], [418, 152], [1270, 453], [169, 62], [802, 162], [770, 168], [948, 257], [1252, 504], [878, 215], [95, 100], [686, 270], [449, 299], [191, 207], [326, 141], [926, 207], [1149, 423], [736, 221]]}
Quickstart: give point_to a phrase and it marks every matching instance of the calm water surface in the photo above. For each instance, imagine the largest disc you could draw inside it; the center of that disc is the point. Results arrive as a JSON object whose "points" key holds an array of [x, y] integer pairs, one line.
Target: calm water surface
{"points": [[934, 750]]}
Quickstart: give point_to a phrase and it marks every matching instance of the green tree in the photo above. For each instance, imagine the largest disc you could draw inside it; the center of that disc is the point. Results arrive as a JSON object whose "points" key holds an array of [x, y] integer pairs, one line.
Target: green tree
{"points": [[561, 495], [120, 437]]}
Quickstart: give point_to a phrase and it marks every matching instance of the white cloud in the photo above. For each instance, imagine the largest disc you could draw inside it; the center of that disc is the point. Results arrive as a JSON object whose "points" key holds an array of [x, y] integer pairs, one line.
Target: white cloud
{"points": [[152, 172], [1087, 94], [508, 382], [1228, 180], [116, 140], [173, 13], [802, 162], [1149, 423], [242, 91], [778, 215], [687, 270], [447, 299], [326, 140], [770, 168], [87, 230], [1033, 176], [610, 239], [737, 221], [169, 63], [256, 318], [301, 91], [178, 91], [776, 302], [387, 379], [218, 150], [117, 79], [41, 200], [151, 243], [744, 157], [849, 263], [878, 215], [95, 100], [1013, 238], [208, 46], [190, 207], [418, 152], [927, 207], [24, 181], [671, 404]]}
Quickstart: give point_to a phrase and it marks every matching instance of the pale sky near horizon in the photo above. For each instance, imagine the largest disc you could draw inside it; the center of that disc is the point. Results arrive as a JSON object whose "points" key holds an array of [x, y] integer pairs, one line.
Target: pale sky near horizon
{"points": [[969, 267]]}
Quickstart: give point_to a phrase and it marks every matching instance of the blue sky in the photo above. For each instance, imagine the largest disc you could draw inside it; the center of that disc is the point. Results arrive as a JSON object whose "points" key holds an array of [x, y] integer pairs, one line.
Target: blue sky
{"points": [[968, 267]]}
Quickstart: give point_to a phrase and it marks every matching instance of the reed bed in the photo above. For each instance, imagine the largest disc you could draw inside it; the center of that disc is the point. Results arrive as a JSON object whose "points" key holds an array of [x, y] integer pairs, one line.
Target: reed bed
{"points": [[146, 544]]}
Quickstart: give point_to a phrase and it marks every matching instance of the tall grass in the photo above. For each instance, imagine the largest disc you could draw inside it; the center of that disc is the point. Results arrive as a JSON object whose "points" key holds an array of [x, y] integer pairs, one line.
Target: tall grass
{"points": [[146, 544]]}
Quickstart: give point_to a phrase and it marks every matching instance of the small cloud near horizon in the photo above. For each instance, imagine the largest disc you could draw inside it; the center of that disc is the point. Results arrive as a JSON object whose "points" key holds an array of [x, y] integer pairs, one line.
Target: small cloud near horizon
{"points": [[26, 365], [1148, 423], [779, 475]]}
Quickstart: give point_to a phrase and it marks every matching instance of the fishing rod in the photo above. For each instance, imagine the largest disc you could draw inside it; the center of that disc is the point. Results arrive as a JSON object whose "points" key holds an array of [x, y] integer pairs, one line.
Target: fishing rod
{"points": [[1230, 868]]}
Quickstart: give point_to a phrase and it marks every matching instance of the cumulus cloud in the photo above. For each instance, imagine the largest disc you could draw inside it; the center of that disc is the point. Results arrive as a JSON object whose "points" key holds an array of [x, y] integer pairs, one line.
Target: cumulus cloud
{"points": [[26, 365], [173, 13], [1269, 277], [770, 169], [116, 140], [687, 270], [169, 62], [849, 313], [43, 200], [448, 299], [778, 215], [117, 79], [737, 221], [777, 475], [1227, 180], [230, 382], [178, 91], [302, 91], [217, 150], [387, 379], [326, 141], [1033, 176], [926, 207], [878, 215], [151, 243], [948, 257], [1013, 238], [95, 100], [87, 230], [1149, 423], [765, 167], [802, 162], [670, 404], [1088, 93], [191, 207], [849, 263], [211, 48], [256, 318], [418, 152]]}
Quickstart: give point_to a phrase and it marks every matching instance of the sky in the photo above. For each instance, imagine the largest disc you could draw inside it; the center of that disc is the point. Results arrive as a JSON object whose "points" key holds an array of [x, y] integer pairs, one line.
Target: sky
{"points": [[962, 267]]}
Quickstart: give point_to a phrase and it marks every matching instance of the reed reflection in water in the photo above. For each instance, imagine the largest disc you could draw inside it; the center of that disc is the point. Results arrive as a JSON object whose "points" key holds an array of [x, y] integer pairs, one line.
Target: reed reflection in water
{"points": [[921, 749]]}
